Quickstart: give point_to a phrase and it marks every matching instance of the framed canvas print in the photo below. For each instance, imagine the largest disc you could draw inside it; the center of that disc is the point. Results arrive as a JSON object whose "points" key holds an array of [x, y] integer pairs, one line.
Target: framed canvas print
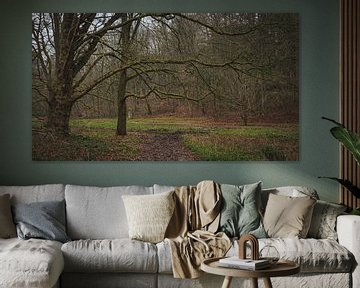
{"points": [[167, 87]]}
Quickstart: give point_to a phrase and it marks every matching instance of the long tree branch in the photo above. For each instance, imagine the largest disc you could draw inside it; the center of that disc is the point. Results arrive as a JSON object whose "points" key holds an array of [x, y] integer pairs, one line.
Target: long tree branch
{"points": [[140, 96], [166, 95], [147, 62], [192, 61], [91, 67], [36, 31], [82, 93], [218, 31], [100, 97], [94, 39], [155, 70], [40, 93]]}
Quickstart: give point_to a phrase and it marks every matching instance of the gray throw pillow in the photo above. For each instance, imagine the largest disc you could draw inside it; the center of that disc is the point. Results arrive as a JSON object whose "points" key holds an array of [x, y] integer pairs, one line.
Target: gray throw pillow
{"points": [[43, 220], [323, 222], [7, 227], [240, 213]]}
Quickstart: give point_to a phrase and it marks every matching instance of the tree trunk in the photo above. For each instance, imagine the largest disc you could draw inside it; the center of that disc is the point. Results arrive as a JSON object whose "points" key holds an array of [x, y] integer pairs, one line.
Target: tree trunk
{"points": [[61, 88], [59, 117], [121, 122], [149, 111], [60, 105], [124, 48]]}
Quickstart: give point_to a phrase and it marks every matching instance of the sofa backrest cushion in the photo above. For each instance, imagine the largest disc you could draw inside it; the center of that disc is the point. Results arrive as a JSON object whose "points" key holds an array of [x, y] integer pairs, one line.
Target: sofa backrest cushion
{"points": [[163, 188], [288, 217], [36, 193], [98, 212], [292, 191]]}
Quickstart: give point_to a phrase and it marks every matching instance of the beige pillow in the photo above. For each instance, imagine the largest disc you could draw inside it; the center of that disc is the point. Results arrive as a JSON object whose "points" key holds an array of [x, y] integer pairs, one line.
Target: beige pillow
{"points": [[7, 226], [149, 215], [288, 217]]}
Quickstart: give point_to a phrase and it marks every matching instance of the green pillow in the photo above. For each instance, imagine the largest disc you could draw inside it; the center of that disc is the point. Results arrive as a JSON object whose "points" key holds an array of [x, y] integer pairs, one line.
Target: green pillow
{"points": [[240, 212]]}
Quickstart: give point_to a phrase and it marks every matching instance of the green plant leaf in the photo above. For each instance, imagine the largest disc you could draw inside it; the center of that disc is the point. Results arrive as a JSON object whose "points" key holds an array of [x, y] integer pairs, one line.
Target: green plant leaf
{"points": [[349, 139], [355, 211], [347, 184]]}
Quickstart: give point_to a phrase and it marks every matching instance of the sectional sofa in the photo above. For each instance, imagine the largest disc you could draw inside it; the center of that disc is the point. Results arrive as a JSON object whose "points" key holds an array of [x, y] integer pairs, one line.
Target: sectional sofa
{"points": [[100, 253]]}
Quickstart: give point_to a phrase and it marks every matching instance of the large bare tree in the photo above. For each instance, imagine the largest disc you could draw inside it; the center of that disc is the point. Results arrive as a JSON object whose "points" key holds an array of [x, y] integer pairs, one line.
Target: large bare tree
{"points": [[63, 44]]}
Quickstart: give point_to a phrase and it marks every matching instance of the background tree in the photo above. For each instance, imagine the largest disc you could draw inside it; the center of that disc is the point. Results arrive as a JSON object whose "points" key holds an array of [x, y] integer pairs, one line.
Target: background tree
{"points": [[127, 64]]}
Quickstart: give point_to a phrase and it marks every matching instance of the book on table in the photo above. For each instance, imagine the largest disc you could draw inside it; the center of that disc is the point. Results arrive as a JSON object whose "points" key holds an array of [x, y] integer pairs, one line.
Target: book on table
{"points": [[249, 264]]}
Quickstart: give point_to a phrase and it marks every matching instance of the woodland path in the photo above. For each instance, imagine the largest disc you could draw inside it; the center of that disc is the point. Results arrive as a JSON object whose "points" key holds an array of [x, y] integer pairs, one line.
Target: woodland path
{"points": [[164, 146]]}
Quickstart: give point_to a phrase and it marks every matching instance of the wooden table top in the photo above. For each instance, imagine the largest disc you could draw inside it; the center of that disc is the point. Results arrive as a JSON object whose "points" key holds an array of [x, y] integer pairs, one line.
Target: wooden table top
{"points": [[281, 268]]}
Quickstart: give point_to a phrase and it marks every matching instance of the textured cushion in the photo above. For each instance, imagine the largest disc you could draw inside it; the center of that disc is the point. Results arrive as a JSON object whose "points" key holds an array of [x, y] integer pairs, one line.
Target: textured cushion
{"points": [[117, 255], [149, 215], [44, 220], [240, 213], [287, 216], [7, 227], [98, 213], [36, 193], [313, 255], [32, 263], [323, 222]]}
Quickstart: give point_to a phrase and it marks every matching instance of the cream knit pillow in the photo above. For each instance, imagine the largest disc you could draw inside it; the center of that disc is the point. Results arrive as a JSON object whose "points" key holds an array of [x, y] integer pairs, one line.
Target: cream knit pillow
{"points": [[149, 215]]}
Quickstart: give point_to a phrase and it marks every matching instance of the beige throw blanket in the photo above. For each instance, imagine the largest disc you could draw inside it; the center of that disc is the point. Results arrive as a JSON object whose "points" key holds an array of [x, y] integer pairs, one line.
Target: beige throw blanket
{"points": [[191, 231]]}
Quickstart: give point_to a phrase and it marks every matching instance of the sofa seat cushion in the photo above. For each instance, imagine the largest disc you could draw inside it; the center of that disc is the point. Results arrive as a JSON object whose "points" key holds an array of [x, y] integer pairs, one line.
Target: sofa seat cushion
{"points": [[313, 255], [115, 255], [30, 263]]}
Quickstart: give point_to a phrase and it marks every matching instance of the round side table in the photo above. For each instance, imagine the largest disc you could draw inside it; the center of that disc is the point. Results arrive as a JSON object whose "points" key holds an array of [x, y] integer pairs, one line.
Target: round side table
{"points": [[281, 268]]}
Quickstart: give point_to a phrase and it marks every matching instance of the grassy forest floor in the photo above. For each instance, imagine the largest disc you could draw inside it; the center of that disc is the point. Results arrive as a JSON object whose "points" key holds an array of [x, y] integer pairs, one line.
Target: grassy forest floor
{"points": [[168, 138]]}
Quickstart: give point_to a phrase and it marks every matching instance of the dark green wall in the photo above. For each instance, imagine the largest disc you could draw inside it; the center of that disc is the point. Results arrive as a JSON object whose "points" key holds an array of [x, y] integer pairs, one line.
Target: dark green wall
{"points": [[318, 96]]}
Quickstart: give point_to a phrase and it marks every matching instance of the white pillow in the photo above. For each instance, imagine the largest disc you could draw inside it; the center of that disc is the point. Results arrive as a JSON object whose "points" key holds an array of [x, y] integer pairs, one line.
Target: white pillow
{"points": [[149, 215]]}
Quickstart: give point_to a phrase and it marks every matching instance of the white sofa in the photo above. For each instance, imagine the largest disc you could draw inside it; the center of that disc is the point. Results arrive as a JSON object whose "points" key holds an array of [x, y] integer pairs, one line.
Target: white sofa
{"points": [[101, 254]]}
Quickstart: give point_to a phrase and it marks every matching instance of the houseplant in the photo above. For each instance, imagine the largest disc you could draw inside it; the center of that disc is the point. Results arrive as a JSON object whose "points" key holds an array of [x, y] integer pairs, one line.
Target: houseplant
{"points": [[351, 141]]}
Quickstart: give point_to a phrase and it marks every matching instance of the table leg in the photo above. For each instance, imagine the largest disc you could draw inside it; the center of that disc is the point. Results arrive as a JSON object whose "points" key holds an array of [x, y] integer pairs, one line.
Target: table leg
{"points": [[227, 282], [267, 283], [254, 282]]}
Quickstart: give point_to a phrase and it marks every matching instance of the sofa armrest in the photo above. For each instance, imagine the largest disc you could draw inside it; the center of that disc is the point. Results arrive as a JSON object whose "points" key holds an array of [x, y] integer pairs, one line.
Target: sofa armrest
{"points": [[348, 230]]}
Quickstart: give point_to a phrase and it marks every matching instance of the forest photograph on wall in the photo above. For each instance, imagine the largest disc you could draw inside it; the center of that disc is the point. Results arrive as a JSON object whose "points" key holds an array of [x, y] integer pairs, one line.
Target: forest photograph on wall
{"points": [[165, 86]]}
